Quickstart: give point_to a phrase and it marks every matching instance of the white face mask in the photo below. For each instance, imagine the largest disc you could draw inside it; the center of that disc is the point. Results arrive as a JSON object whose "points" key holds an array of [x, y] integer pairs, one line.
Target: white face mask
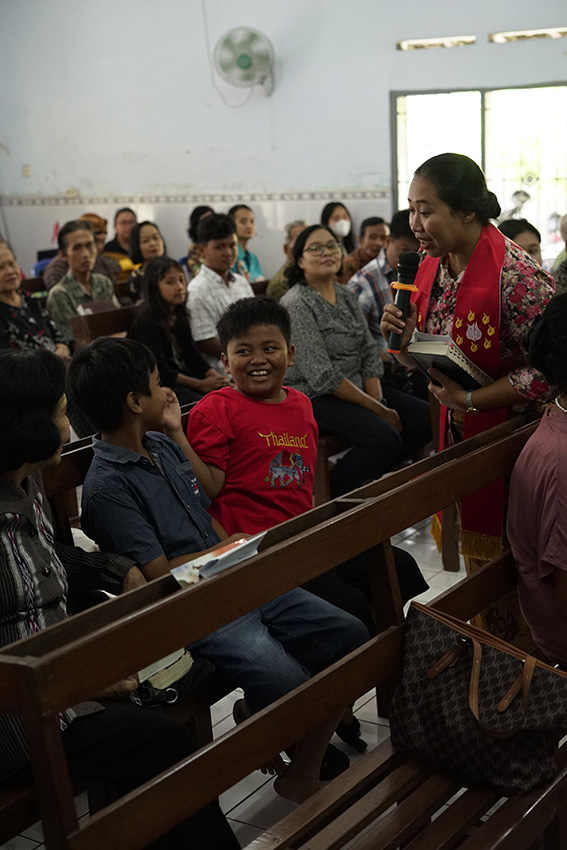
{"points": [[340, 228]]}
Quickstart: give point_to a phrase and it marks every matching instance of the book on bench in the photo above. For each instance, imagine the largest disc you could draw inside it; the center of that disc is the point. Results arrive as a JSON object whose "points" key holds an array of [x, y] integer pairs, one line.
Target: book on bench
{"points": [[441, 352], [217, 560]]}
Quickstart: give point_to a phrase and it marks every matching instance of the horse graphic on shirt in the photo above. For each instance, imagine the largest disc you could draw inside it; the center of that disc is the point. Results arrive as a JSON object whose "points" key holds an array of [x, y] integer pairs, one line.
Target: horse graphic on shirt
{"points": [[287, 467]]}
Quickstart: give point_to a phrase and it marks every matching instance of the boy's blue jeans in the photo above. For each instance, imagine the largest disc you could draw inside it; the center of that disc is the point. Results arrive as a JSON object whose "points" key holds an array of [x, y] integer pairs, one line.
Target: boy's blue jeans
{"points": [[280, 645]]}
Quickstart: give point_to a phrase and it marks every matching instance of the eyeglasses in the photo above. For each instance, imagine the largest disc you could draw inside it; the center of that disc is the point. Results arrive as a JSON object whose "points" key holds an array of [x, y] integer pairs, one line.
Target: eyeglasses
{"points": [[318, 248]]}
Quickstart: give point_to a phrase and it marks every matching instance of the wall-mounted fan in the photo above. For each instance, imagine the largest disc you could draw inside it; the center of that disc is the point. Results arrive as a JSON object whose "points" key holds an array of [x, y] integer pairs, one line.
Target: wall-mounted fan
{"points": [[245, 57]]}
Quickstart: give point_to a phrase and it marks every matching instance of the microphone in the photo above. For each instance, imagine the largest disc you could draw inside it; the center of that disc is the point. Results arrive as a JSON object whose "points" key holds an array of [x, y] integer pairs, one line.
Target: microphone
{"points": [[408, 264]]}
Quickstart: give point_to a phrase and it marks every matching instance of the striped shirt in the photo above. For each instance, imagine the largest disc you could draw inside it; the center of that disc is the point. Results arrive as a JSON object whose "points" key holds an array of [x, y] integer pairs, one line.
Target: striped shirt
{"points": [[33, 590]]}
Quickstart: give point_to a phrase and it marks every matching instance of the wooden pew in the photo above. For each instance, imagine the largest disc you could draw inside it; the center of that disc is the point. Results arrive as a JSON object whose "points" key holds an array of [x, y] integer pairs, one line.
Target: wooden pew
{"points": [[107, 323], [37, 675]]}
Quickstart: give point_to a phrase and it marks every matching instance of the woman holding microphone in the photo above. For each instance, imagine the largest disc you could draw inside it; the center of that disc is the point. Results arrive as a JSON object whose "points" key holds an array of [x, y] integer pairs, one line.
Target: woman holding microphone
{"points": [[481, 289]]}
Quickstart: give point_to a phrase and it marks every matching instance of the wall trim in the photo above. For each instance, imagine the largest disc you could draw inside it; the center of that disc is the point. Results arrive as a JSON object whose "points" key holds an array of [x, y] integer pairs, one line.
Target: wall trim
{"points": [[220, 198]]}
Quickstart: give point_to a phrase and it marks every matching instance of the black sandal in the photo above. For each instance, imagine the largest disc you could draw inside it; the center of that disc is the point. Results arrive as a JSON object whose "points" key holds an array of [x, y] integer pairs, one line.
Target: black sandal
{"points": [[350, 733]]}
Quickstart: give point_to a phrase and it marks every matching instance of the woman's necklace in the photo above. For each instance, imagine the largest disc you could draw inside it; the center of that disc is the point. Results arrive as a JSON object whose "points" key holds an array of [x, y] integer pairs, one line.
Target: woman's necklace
{"points": [[560, 406]]}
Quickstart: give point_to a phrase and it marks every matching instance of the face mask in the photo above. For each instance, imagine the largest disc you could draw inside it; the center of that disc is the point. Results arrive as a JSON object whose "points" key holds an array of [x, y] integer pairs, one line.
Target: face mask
{"points": [[340, 228]]}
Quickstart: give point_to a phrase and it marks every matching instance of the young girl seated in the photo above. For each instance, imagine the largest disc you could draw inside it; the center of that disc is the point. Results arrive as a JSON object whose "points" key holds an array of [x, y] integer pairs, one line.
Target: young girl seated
{"points": [[163, 325], [146, 243], [247, 263]]}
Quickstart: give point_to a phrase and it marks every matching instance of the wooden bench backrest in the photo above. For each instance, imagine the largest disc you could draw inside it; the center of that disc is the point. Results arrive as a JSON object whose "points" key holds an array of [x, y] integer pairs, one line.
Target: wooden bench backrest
{"points": [[87, 328], [60, 666]]}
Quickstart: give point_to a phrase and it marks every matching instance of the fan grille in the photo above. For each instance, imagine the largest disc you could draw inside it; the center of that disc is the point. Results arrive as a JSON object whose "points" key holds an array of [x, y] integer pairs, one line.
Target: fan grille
{"points": [[244, 57]]}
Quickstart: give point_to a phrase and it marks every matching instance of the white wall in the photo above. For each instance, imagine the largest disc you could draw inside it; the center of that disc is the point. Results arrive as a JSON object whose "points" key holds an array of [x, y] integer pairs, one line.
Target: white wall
{"points": [[111, 101]]}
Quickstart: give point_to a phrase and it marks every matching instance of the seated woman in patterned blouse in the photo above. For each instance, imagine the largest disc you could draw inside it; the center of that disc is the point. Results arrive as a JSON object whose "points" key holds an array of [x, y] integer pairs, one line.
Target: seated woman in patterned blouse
{"points": [[23, 322], [337, 364]]}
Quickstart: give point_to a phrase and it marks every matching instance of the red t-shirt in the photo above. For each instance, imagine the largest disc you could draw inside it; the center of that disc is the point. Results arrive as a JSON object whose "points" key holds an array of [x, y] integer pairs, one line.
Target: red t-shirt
{"points": [[267, 451]]}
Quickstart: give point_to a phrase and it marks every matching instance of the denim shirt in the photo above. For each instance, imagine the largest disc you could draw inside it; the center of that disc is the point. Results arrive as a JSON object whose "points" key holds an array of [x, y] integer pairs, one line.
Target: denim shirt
{"points": [[143, 509]]}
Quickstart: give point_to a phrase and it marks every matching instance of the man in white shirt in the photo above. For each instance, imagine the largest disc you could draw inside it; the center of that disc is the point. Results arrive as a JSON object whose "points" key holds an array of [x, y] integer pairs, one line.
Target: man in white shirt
{"points": [[215, 287]]}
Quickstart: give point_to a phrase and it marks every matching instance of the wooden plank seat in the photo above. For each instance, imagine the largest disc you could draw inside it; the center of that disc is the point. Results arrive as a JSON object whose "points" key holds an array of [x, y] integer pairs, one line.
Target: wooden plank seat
{"points": [[40, 675], [389, 800]]}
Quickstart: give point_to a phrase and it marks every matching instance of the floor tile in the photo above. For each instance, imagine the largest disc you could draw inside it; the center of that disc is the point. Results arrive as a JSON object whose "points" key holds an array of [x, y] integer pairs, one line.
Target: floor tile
{"points": [[223, 708], [244, 831], [224, 725], [34, 833], [20, 843], [242, 790], [263, 808]]}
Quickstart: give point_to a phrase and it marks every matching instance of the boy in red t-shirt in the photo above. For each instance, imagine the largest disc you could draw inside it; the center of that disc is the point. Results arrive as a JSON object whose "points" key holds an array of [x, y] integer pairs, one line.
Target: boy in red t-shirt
{"points": [[257, 438]]}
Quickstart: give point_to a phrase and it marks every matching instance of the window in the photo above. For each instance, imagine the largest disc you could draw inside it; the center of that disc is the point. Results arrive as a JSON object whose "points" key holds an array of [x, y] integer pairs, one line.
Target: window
{"points": [[518, 136]]}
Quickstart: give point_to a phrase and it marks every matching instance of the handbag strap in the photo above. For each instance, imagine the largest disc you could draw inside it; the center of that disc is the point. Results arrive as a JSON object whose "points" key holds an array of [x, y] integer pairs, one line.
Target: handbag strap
{"points": [[528, 672]]}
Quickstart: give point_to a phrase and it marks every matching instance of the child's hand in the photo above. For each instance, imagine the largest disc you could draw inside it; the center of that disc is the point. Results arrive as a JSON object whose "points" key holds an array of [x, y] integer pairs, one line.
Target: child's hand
{"points": [[171, 414], [213, 382]]}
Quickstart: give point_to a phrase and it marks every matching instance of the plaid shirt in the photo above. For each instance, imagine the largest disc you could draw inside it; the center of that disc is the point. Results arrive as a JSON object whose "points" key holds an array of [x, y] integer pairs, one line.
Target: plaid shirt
{"points": [[371, 286], [68, 294]]}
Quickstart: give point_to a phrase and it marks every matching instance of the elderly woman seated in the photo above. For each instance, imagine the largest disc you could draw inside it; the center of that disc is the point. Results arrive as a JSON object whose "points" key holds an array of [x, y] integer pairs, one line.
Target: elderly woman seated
{"points": [[23, 321]]}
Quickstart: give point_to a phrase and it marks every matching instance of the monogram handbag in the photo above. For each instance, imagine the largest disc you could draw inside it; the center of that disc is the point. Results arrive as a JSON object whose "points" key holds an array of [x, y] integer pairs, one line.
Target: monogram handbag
{"points": [[471, 704]]}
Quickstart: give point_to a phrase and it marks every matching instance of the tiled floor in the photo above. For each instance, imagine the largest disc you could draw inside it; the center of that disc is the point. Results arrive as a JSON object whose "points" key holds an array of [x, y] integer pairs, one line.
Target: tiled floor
{"points": [[252, 805]]}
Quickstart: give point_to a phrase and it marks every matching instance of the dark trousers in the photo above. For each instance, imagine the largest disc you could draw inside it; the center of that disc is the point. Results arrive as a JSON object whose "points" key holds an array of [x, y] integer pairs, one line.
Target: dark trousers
{"points": [[348, 586], [376, 446], [415, 418], [126, 745]]}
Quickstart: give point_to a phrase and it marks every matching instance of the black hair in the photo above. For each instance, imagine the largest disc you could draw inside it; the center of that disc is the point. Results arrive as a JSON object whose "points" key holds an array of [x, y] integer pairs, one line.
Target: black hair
{"points": [[461, 185], [103, 373], [72, 227], [233, 210], [247, 313], [134, 249], [121, 210], [215, 226], [326, 214], [373, 221], [547, 343], [194, 219], [294, 273], [512, 227], [400, 227], [31, 386], [153, 304]]}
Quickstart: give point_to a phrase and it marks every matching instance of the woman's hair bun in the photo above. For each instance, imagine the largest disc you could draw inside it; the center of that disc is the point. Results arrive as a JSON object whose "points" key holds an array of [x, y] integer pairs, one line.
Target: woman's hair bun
{"points": [[489, 207]]}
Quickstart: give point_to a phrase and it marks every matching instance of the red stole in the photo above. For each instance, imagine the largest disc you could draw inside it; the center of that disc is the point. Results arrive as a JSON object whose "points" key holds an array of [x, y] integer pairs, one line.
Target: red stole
{"points": [[476, 330]]}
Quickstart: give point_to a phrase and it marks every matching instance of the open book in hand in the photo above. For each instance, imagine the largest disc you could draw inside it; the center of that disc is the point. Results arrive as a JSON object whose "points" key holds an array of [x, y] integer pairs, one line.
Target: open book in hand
{"points": [[441, 352], [219, 559]]}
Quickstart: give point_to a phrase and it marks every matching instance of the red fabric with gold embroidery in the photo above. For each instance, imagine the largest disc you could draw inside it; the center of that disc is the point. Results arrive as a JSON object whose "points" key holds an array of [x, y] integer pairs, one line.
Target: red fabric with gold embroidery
{"points": [[476, 330]]}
